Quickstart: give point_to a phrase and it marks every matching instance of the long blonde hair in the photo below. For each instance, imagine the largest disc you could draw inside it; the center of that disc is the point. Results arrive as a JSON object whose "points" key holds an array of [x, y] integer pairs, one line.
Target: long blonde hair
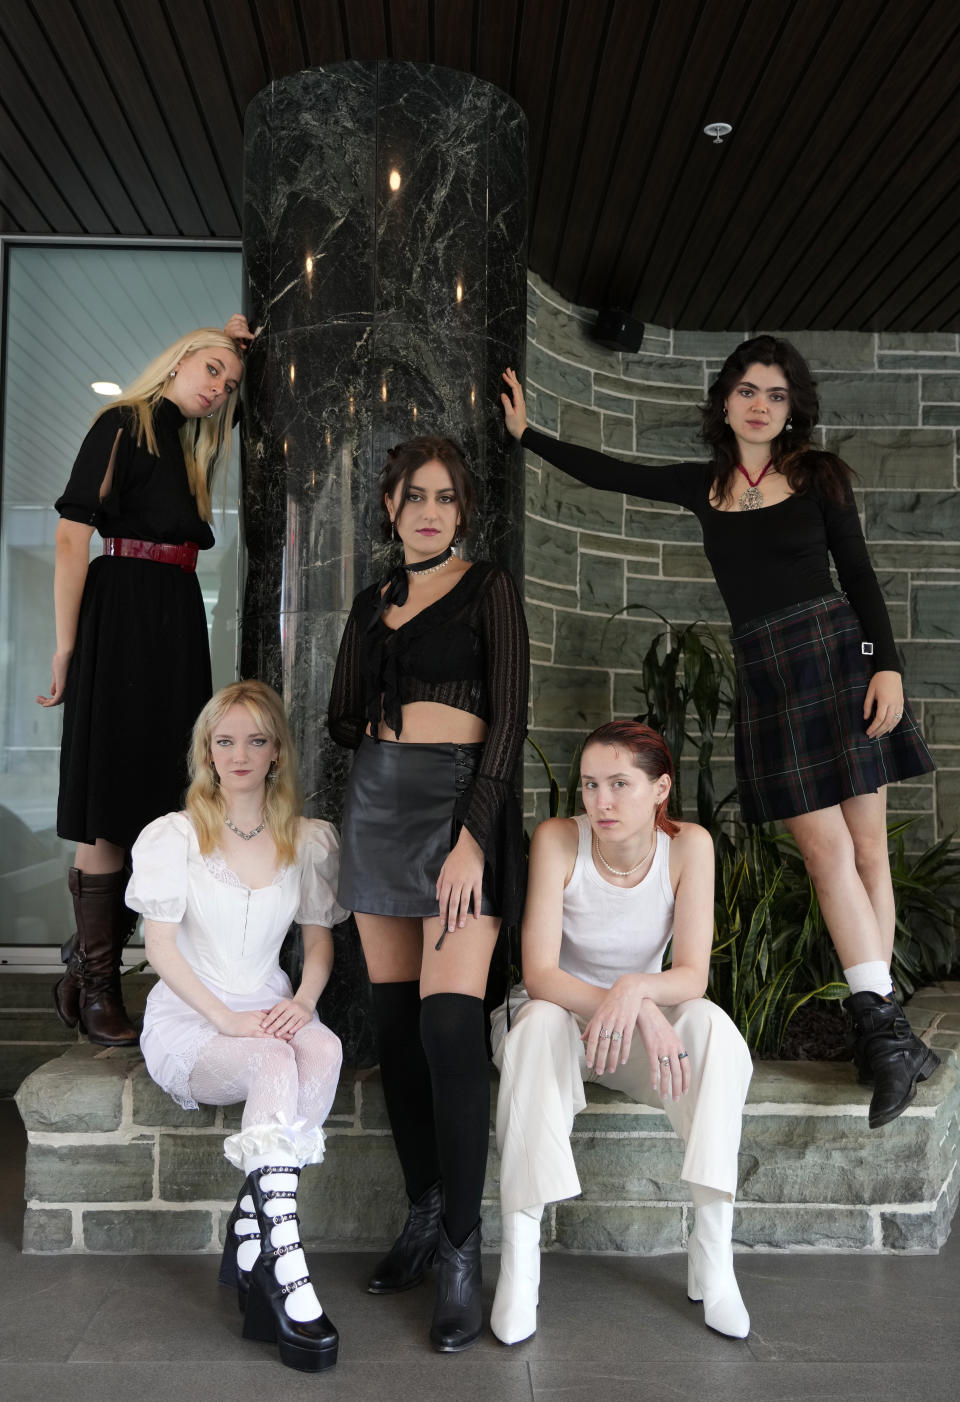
{"points": [[206, 442], [283, 799]]}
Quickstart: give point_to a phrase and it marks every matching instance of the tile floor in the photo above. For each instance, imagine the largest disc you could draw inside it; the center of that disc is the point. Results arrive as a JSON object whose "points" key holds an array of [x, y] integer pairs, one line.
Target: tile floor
{"points": [[99, 1328]]}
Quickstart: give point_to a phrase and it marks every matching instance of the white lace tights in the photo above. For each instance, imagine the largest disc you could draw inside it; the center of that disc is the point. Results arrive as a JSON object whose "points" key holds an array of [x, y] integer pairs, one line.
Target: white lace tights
{"points": [[297, 1078]]}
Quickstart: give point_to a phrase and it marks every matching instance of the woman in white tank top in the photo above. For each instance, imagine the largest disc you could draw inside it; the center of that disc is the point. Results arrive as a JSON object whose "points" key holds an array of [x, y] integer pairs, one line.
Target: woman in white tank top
{"points": [[607, 892]]}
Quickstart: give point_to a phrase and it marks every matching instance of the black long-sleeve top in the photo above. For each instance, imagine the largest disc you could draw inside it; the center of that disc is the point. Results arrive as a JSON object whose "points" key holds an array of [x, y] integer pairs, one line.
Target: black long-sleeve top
{"points": [[468, 650], [762, 560]]}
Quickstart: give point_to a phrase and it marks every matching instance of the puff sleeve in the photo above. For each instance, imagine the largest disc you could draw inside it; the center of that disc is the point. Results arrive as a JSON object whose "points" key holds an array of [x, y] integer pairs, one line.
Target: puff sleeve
{"points": [[158, 886], [319, 857], [81, 499]]}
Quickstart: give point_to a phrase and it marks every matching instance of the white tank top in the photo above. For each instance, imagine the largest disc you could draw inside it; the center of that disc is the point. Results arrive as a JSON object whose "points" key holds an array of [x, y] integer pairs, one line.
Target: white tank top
{"points": [[609, 930]]}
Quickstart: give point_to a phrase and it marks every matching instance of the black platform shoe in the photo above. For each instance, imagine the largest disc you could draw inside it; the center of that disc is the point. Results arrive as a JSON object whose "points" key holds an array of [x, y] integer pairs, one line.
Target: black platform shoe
{"points": [[231, 1272], [888, 1054], [458, 1312], [414, 1250], [309, 1345]]}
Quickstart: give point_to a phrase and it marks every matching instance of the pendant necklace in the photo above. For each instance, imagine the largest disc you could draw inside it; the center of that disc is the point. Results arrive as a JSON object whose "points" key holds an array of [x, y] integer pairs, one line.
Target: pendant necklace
{"points": [[245, 835], [637, 865], [752, 498]]}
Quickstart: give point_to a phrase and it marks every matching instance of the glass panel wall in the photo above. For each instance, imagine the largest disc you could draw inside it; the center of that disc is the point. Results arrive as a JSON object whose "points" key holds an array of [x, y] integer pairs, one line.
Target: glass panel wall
{"points": [[73, 316]]}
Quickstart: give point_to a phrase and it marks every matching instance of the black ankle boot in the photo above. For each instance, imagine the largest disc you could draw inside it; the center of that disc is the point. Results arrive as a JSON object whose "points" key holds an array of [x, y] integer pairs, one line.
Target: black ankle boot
{"points": [[458, 1312], [888, 1054], [309, 1345], [231, 1272], [414, 1250]]}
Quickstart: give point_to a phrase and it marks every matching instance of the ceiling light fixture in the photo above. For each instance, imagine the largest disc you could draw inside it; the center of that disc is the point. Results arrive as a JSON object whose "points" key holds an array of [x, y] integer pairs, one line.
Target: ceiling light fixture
{"points": [[105, 387], [718, 130]]}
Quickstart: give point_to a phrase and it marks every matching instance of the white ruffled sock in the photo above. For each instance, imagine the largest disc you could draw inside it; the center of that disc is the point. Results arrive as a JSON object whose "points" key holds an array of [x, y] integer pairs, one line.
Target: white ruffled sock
{"points": [[301, 1304]]}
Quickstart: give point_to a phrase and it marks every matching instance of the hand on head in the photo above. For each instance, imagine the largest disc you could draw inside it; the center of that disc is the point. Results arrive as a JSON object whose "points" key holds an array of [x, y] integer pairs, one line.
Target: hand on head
{"points": [[238, 329]]}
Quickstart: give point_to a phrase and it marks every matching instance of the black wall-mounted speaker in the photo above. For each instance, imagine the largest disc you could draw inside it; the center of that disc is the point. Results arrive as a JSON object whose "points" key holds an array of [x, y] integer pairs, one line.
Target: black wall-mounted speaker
{"points": [[618, 331]]}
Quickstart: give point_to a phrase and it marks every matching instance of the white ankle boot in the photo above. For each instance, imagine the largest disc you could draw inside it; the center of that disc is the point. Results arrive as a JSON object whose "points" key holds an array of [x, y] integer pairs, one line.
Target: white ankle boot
{"points": [[710, 1276], [514, 1313]]}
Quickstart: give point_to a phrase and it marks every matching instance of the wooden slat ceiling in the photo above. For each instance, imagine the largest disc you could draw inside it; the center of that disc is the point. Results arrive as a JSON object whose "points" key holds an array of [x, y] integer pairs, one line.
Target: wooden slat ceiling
{"points": [[833, 205]]}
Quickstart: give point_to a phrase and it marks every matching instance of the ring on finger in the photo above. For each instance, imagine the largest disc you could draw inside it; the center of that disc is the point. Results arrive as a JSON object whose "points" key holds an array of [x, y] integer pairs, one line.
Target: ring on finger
{"points": [[664, 1060], [606, 1035], [681, 1055], [616, 1036]]}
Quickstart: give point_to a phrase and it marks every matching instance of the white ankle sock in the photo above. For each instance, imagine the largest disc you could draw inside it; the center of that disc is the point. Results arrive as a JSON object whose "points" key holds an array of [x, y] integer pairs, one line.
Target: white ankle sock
{"points": [[871, 977], [247, 1233], [301, 1304]]}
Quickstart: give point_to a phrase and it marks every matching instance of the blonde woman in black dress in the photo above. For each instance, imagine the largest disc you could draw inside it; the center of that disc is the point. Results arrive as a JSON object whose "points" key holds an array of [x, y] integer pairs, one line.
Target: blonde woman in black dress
{"points": [[132, 662]]}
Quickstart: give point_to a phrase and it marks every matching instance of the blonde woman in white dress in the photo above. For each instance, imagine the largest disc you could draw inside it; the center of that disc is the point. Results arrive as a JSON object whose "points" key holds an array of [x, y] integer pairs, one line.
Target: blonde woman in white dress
{"points": [[218, 886]]}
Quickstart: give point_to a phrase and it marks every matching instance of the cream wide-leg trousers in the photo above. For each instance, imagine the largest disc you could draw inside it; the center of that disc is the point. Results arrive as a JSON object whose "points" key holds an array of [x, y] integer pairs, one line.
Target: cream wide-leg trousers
{"points": [[542, 1074]]}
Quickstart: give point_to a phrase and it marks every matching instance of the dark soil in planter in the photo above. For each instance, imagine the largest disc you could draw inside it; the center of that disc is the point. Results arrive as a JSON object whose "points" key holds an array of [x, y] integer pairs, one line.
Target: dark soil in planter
{"points": [[816, 1032]]}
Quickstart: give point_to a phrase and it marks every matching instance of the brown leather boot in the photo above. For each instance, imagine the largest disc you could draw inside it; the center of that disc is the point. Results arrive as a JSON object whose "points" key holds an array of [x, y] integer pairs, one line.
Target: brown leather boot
{"points": [[66, 991], [104, 924]]}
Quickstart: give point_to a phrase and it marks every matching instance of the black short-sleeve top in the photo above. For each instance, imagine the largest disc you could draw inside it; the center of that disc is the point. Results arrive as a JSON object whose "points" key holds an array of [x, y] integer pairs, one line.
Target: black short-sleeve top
{"points": [[149, 496]]}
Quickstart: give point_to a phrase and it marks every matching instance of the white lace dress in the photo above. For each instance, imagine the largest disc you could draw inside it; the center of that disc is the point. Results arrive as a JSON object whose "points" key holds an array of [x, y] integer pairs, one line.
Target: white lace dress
{"points": [[229, 934]]}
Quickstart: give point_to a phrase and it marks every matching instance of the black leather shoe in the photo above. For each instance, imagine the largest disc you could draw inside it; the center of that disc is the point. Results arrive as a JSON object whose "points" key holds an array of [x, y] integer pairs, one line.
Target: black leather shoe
{"points": [[414, 1250], [458, 1312], [309, 1345], [888, 1054]]}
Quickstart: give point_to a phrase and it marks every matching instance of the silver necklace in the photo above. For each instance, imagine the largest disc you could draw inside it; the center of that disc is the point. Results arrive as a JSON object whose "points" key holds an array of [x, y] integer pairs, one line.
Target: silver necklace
{"points": [[248, 835], [613, 871]]}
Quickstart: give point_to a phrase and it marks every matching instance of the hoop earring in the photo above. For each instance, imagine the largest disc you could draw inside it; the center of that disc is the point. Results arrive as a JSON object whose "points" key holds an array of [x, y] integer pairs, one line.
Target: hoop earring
{"points": [[272, 772], [725, 419], [393, 528]]}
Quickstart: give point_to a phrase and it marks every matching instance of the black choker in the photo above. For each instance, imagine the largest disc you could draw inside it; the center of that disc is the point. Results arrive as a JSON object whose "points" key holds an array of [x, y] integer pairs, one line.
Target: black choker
{"points": [[425, 566], [398, 586]]}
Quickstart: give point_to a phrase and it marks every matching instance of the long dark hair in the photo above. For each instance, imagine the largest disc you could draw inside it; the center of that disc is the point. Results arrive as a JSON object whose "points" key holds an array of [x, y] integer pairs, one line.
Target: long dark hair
{"points": [[650, 753], [403, 460], [803, 466]]}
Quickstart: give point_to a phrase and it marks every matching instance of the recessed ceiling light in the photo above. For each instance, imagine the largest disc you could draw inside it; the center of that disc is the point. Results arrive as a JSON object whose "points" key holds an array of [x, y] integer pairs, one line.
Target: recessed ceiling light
{"points": [[105, 387], [718, 130]]}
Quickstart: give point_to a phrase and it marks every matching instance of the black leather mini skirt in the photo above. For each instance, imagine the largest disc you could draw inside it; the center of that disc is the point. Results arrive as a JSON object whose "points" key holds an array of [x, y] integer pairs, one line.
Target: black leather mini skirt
{"points": [[399, 825]]}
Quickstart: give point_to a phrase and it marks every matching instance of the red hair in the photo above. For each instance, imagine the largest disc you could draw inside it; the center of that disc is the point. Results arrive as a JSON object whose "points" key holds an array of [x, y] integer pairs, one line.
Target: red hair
{"points": [[650, 753]]}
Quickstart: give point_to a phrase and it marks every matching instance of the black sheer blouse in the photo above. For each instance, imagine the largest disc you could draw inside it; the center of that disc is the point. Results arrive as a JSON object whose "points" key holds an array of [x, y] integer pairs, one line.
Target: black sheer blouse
{"points": [[468, 650]]}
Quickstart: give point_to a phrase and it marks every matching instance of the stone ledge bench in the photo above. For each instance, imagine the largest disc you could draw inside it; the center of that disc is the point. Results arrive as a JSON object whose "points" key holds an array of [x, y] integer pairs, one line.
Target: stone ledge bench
{"points": [[114, 1165]]}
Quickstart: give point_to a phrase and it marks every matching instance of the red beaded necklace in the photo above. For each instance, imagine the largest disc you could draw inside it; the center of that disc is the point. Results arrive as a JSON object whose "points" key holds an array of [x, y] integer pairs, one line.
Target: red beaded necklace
{"points": [[752, 498]]}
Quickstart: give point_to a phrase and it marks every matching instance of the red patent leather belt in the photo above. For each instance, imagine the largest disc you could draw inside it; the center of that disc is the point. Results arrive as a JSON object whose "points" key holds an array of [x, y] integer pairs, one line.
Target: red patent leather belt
{"points": [[183, 555]]}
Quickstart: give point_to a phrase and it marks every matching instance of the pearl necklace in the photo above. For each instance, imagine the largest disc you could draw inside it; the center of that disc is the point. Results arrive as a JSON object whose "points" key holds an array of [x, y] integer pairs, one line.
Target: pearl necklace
{"points": [[245, 835], [612, 870]]}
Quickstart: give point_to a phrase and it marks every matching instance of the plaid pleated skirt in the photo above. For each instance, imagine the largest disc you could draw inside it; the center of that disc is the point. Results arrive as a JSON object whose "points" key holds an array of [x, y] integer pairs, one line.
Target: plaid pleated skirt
{"points": [[800, 741]]}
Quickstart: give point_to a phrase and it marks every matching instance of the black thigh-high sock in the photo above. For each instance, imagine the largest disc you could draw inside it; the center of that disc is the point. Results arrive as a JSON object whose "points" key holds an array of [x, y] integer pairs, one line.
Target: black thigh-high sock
{"points": [[452, 1031], [407, 1086]]}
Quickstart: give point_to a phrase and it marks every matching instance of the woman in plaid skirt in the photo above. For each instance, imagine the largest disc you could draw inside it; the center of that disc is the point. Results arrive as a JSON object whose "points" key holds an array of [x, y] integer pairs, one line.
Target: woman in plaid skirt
{"points": [[821, 722]]}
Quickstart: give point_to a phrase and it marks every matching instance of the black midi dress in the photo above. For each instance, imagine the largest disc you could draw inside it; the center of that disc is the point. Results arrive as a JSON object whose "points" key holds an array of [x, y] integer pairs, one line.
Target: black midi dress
{"points": [[140, 670]]}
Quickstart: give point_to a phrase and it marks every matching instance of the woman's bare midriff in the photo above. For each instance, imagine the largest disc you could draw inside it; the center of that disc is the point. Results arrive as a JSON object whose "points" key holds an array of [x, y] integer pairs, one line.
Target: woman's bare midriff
{"points": [[427, 722]]}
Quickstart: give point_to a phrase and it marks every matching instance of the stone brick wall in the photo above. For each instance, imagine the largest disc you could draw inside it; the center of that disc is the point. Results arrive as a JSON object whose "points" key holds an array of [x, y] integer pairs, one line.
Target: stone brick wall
{"points": [[890, 407], [115, 1166]]}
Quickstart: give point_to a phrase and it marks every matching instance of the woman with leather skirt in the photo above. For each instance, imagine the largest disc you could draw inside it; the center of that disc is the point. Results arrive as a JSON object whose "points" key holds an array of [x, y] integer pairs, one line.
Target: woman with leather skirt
{"points": [[430, 691]]}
